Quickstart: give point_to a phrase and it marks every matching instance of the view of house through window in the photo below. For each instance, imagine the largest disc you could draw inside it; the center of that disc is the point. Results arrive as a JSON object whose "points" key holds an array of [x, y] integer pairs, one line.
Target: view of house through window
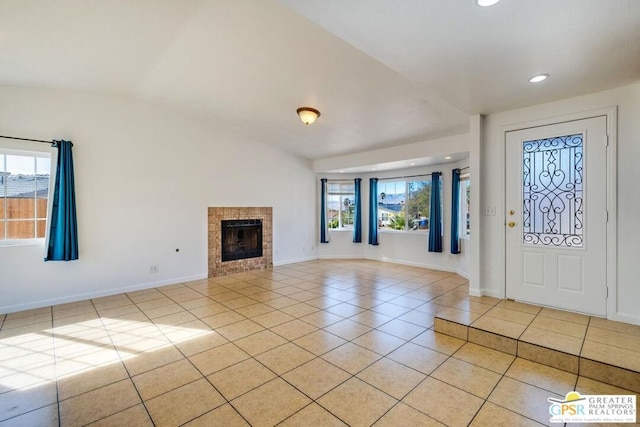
{"points": [[404, 204], [24, 193], [465, 190], [340, 204]]}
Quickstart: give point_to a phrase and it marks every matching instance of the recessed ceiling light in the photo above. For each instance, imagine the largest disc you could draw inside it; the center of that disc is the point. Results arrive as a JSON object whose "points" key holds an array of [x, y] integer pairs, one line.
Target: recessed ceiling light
{"points": [[448, 158], [539, 78], [412, 164], [341, 171], [373, 169], [486, 3]]}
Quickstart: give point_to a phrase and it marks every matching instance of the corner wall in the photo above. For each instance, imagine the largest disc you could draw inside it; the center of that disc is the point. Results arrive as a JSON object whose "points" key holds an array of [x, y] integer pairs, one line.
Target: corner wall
{"points": [[145, 176]]}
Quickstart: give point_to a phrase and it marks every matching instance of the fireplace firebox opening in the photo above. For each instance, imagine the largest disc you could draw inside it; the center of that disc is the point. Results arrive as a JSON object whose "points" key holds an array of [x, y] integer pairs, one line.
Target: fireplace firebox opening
{"points": [[241, 238]]}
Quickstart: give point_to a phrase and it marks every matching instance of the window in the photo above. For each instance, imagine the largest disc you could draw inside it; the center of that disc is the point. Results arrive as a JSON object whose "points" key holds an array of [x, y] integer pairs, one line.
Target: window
{"points": [[404, 204], [340, 204], [465, 190], [24, 194]]}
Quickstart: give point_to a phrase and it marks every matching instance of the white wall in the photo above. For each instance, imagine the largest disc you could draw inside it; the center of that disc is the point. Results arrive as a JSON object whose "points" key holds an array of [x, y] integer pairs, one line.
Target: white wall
{"points": [[626, 304], [395, 246], [463, 265], [144, 179]]}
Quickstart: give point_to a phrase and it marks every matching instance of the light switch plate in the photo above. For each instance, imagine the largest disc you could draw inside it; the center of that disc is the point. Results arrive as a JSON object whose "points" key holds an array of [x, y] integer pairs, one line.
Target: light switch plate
{"points": [[490, 211]]}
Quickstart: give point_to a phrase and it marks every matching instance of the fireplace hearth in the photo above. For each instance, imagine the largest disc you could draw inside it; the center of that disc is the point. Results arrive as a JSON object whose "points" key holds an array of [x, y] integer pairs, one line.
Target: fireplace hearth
{"points": [[241, 238]]}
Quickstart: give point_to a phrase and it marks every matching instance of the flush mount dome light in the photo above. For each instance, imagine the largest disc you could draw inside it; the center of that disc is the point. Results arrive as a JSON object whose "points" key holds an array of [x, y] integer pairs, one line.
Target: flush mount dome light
{"points": [[308, 115], [486, 3], [539, 78]]}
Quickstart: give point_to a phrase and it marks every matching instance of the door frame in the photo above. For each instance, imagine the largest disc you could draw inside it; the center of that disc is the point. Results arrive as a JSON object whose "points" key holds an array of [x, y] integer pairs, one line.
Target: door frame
{"points": [[611, 114]]}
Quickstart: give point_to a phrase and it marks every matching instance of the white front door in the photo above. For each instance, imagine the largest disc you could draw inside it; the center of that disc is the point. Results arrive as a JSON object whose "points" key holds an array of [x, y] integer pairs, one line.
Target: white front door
{"points": [[556, 217]]}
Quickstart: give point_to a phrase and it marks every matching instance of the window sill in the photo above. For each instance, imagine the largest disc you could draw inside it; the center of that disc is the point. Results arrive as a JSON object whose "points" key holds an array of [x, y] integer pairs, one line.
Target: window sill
{"points": [[341, 230], [29, 242], [409, 232]]}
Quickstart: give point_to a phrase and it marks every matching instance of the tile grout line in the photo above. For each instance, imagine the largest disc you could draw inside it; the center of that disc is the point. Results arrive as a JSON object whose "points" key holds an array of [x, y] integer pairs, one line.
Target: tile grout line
{"points": [[492, 390], [55, 368], [130, 378], [527, 328], [504, 375], [313, 402], [277, 376], [316, 357], [586, 331], [205, 377], [57, 402], [427, 376], [280, 376], [383, 356], [531, 385]]}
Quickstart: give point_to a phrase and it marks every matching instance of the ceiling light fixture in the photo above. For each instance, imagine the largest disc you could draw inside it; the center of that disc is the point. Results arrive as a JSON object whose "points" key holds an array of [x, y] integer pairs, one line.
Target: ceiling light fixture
{"points": [[308, 115], [448, 158], [539, 78], [486, 3]]}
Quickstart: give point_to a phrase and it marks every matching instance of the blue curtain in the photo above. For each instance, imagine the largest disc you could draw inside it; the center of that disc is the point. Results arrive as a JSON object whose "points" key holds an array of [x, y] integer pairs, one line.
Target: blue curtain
{"points": [[435, 215], [323, 211], [357, 220], [373, 211], [63, 232], [455, 211]]}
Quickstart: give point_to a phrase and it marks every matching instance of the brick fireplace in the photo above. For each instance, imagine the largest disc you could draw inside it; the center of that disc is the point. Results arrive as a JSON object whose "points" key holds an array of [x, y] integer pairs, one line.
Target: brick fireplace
{"points": [[239, 215]]}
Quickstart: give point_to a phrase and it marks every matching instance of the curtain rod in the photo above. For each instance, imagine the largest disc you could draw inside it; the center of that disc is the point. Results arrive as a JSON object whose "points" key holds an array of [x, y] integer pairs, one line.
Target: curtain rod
{"points": [[464, 168], [26, 139]]}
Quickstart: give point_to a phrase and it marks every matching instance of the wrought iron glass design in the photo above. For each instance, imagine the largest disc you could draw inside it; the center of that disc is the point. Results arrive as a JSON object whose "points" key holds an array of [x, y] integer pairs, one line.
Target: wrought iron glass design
{"points": [[552, 187]]}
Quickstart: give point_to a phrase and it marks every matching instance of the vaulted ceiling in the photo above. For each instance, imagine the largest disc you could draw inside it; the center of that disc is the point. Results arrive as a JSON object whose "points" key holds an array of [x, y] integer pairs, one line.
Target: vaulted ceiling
{"points": [[381, 72]]}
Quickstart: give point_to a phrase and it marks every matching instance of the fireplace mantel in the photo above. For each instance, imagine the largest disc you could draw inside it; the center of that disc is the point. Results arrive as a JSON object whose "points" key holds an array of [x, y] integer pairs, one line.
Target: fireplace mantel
{"points": [[218, 214]]}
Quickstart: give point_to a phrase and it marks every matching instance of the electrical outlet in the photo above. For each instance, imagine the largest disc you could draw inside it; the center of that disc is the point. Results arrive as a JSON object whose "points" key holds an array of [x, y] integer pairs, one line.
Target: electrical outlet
{"points": [[153, 269]]}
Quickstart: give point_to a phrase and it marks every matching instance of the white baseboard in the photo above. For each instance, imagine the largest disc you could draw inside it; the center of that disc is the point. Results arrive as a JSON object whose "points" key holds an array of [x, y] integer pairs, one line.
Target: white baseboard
{"points": [[293, 261], [626, 318], [463, 274], [395, 261], [413, 264], [475, 292], [342, 257], [491, 293], [103, 293]]}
